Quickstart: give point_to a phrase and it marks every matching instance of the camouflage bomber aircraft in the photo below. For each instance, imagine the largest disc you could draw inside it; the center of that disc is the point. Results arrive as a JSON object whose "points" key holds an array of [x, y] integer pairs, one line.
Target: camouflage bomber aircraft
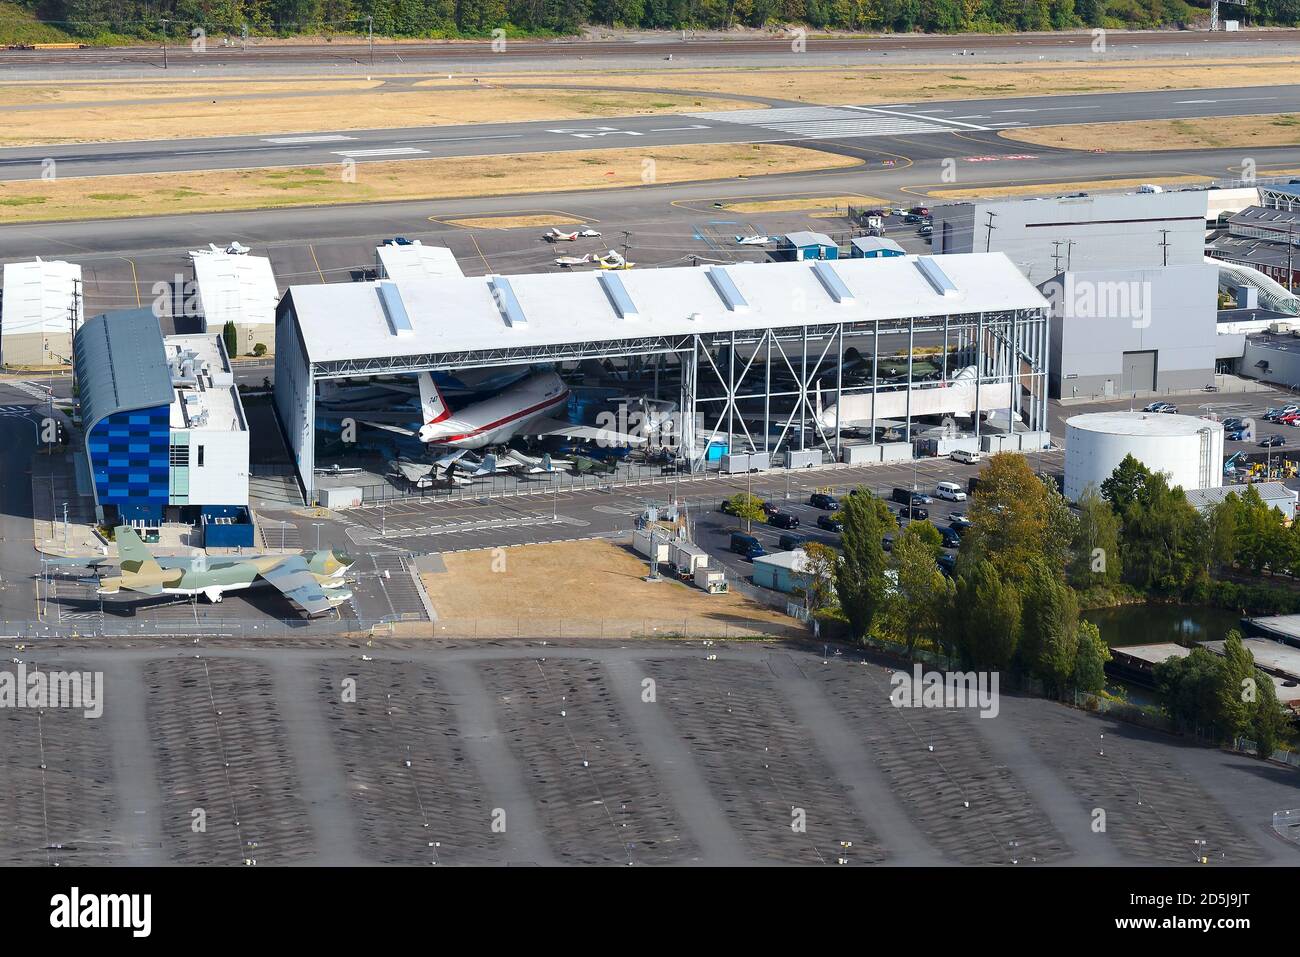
{"points": [[312, 581]]}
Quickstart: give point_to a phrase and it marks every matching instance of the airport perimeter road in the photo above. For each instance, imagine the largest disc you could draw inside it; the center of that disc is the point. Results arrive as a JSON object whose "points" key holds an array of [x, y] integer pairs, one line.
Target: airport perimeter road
{"points": [[630, 51], [19, 563], [894, 124]]}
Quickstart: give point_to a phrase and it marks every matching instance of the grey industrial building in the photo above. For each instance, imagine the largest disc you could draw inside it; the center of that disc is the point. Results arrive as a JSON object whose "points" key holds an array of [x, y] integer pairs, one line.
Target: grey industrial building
{"points": [[1047, 237], [1118, 331]]}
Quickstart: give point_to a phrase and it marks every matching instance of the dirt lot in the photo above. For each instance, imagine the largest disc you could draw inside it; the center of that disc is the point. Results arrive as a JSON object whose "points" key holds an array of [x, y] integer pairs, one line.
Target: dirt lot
{"points": [[1278, 129], [148, 194], [581, 589]]}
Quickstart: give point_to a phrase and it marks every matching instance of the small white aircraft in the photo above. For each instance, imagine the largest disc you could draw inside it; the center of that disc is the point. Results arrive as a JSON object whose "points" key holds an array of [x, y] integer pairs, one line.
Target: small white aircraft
{"points": [[566, 261], [554, 235], [753, 240], [336, 469]]}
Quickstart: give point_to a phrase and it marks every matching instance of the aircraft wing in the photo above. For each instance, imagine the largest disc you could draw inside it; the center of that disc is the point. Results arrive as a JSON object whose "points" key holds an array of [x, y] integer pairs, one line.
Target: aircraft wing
{"points": [[295, 582], [388, 428], [589, 433]]}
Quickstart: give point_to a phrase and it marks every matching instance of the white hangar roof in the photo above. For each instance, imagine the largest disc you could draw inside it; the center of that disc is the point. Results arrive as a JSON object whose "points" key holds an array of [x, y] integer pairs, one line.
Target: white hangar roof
{"points": [[405, 262], [234, 287], [342, 322], [39, 297]]}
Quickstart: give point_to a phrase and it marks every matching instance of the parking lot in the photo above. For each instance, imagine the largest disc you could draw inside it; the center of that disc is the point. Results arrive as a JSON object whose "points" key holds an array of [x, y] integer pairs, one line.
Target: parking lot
{"points": [[682, 752]]}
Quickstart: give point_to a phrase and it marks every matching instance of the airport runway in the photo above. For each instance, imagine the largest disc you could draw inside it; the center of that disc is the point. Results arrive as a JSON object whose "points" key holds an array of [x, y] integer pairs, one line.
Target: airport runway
{"points": [[924, 130]]}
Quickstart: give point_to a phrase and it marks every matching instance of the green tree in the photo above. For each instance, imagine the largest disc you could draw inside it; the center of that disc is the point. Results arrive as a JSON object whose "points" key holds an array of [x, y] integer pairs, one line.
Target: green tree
{"points": [[1270, 722], [815, 579], [1164, 543], [1189, 689], [747, 508], [1049, 624], [860, 573], [1009, 518], [1221, 528], [917, 605], [231, 338], [1095, 553], [1238, 691], [1091, 655], [1125, 483], [985, 618]]}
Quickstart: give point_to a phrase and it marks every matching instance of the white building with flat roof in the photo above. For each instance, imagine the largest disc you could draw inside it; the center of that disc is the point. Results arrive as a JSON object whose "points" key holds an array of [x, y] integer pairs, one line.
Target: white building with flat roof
{"points": [[209, 435], [403, 262], [40, 301], [236, 287]]}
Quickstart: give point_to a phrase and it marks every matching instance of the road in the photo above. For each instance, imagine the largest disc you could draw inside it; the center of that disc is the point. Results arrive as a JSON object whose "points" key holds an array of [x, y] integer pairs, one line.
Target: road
{"points": [[462, 54], [19, 563], [925, 130]]}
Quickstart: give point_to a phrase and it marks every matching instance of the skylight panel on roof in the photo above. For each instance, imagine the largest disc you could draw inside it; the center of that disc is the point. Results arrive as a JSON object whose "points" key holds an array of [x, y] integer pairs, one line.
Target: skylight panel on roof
{"points": [[399, 323], [832, 282], [618, 295], [935, 276], [726, 288], [506, 301]]}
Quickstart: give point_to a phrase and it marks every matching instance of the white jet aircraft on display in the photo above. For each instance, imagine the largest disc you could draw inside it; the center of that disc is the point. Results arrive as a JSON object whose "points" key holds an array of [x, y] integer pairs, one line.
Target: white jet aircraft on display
{"points": [[753, 240], [522, 410]]}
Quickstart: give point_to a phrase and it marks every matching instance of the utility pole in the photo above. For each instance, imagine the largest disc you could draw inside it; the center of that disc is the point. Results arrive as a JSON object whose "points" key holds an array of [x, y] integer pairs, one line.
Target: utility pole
{"points": [[988, 239], [74, 310], [1290, 248], [370, 37], [1056, 256], [1164, 244], [164, 42], [1069, 251]]}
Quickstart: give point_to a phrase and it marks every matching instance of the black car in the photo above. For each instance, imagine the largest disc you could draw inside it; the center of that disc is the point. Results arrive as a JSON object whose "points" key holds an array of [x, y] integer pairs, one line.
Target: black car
{"points": [[951, 538], [769, 509], [907, 496], [1270, 441], [948, 565], [823, 501], [829, 523], [782, 520], [915, 512], [959, 523], [789, 543]]}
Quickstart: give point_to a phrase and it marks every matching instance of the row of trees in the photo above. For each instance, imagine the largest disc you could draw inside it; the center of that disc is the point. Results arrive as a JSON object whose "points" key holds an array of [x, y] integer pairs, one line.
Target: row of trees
{"points": [[1013, 605], [475, 17], [1009, 607]]}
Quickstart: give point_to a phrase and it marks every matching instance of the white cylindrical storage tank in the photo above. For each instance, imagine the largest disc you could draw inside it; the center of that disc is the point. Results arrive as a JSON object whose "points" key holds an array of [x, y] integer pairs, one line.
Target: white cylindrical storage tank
{"points": [[1188, 449]]}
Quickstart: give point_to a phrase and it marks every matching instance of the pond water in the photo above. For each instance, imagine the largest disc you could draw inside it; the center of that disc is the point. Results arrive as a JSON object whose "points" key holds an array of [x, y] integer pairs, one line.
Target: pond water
{"points": [[1151, 624]]}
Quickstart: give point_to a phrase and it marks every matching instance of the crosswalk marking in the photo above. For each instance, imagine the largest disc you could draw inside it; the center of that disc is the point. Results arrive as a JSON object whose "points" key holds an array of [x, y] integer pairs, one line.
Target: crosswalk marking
{"points": [[831, 122]]}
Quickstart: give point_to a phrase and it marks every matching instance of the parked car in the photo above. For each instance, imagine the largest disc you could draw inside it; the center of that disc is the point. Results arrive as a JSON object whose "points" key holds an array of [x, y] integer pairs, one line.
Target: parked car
{"points": [[1160, 407], [920, 210], [959, 522], [830, 523], [949, 491], [887, 543], [782, 520], [1234, 435], [1273, 415], [948, 565], [1288, 419], [911, 218], [789, 543], [823, 501], [950, 537], [1233, 423], [747, 546], [926, 229], [913, 512], [1271, 441], [907, 496]]}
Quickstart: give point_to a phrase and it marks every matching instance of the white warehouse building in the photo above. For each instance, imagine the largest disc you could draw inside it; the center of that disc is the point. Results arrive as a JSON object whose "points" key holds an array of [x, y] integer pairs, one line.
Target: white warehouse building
{"points": [[232, 286], [37, 311], [1189, 450]]}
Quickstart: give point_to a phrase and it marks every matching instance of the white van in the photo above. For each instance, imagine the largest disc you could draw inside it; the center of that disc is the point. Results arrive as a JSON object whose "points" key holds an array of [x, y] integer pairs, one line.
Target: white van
{"points": [[963, 455], [950, 491]]}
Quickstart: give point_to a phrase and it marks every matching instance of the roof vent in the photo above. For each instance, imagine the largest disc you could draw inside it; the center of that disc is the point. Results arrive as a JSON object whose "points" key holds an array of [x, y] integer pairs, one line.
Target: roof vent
{"points": [[726, 288], [935, 276], [399, 323], [618, 295], [506, 301], [832, 282]]}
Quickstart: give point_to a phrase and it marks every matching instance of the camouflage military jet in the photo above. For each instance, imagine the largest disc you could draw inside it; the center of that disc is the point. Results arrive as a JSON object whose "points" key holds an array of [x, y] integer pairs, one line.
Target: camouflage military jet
{"points": [[312, 581]]}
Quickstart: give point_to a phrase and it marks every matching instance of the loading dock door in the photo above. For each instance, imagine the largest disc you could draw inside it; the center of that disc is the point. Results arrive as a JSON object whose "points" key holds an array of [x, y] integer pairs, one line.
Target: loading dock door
{"points": [[1140, 371]]}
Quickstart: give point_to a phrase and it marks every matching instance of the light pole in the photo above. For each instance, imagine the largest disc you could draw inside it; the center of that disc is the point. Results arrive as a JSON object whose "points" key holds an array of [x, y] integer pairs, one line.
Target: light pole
{"points": [[164, 42], [318, 528]]}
